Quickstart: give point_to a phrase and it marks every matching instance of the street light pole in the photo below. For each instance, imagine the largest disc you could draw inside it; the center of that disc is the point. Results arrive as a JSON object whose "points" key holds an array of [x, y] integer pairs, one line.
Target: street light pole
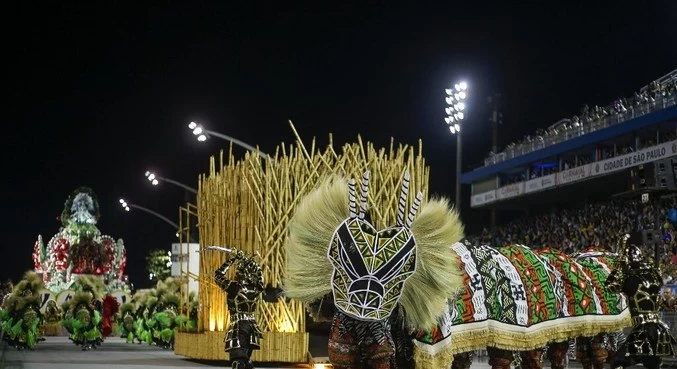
{"points": [[127, 205], [455, 115], [202, 134], [154, 179]]}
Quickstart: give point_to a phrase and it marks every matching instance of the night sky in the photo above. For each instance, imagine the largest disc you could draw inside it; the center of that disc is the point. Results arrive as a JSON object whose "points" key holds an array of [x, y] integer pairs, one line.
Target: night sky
{"points": [[100, 94]]}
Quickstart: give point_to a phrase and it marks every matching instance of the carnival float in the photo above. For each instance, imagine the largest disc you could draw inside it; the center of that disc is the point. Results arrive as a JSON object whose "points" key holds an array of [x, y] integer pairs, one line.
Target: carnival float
{"points": [[77, 284], [80, 249], [513, 299]]}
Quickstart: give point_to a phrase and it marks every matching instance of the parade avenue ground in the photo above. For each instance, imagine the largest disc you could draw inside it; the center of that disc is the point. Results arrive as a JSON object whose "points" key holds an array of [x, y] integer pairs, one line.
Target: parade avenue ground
{"points": [[60, 353]]}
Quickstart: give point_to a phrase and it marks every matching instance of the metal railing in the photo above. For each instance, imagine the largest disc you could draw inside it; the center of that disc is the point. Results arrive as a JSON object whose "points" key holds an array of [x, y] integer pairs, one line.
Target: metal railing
{"points": [[670, 318], [607, 121]]}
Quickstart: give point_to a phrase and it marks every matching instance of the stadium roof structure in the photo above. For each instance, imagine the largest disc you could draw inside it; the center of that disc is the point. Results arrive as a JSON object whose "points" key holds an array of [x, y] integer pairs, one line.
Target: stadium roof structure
{"points": [[634, 124]]}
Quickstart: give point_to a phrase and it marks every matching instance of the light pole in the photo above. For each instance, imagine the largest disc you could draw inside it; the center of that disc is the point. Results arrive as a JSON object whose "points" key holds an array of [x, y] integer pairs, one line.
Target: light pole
{"points": [[203, 134], [127, 205], [455, 115], [154, 180]]}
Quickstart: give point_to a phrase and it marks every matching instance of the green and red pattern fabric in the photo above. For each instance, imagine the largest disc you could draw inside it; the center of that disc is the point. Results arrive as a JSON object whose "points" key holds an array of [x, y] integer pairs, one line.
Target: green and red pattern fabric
{"points": [[538, 283], [599, 264], [519, 299], [579, 292]]}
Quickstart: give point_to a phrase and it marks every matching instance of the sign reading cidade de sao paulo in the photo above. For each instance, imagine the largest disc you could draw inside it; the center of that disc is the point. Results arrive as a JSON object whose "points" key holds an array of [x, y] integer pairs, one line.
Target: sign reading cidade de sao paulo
{"points": [[647, 155]]}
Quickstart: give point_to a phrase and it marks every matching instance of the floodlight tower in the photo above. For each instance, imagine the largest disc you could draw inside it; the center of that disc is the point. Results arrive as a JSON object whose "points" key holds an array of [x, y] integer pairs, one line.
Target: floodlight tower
{"points": [[455, 115]]}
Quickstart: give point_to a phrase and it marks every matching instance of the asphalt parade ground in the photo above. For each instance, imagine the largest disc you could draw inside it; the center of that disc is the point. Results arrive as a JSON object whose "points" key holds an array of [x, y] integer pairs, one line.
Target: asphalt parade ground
{"points": [[60, 353]]}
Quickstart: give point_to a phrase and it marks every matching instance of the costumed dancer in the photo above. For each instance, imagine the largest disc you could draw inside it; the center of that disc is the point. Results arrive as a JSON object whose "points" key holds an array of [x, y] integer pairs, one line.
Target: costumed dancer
{"points": [[110, 308], [126, 322], [20, 316], [167, 317], [82, 320], [332, 247], [243, 294], [650, 339], [82, 316]]}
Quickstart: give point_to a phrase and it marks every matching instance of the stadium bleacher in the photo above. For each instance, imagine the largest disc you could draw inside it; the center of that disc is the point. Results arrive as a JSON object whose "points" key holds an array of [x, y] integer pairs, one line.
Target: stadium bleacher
{"points": [[627, 133], [578, 183]]}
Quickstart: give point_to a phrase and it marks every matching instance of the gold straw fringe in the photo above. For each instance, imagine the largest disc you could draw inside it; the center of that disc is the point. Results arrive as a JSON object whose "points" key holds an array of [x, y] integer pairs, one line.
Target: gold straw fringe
{"points": [[442, 359], [514, 341]]}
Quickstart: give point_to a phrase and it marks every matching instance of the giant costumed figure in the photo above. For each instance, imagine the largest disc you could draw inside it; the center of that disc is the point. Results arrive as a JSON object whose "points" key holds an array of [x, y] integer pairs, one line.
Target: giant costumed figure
{"points": [[243, 294], [516, 301], [650, 339], [332, 247]]}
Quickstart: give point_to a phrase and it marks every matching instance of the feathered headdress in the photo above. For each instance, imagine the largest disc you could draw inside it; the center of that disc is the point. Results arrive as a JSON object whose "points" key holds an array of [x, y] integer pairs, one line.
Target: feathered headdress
{"points": [[31, 284], [126, 308], [318, 219], [92, 284]]}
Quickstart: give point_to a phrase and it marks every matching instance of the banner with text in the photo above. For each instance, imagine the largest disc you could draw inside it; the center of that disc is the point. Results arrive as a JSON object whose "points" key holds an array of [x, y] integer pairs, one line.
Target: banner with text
{"points": [[483, 198], [573, 174], [506, 192], [541, 183], [643, 156], [646, 155]]}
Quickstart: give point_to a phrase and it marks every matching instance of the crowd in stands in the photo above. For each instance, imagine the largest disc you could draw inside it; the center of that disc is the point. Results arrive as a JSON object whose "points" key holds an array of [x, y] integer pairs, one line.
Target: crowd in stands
{"points": [[591, 119], [599, 224], [602, 154]]}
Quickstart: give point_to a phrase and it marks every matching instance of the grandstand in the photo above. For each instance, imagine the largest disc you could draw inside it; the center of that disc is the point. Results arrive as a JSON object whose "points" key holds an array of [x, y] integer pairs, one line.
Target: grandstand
{"points": [[587, 180], [627, 145]]}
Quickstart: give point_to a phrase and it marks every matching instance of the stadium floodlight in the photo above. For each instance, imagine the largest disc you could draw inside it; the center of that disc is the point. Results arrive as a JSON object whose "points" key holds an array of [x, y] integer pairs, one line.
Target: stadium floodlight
{"points": [[455, 114]]}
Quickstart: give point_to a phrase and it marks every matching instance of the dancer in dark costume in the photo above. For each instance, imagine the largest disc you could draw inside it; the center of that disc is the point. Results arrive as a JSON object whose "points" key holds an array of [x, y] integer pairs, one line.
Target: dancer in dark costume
{"points": [[243, 294], [650, 338]]}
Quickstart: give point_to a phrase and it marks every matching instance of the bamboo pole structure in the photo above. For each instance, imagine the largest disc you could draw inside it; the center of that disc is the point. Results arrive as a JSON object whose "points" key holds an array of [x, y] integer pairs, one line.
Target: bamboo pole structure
{"points": [[247, 204]]}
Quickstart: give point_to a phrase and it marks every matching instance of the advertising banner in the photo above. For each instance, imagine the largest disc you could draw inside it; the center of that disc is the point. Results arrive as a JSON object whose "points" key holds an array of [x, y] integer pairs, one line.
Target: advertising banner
{"points": [[540, 183], [509, 191], [573, 174], [483, 198], [646, 155]]}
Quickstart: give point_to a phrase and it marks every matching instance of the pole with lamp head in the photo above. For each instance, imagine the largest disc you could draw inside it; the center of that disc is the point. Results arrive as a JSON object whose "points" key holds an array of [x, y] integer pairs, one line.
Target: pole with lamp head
{"points": [[455, 111], [203, 134]]}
